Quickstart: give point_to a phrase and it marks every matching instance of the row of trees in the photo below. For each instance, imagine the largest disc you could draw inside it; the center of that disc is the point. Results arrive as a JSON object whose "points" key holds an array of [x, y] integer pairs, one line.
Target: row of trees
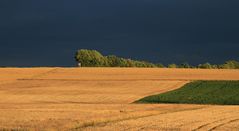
{"points": [[231, 64], [93, 58]]}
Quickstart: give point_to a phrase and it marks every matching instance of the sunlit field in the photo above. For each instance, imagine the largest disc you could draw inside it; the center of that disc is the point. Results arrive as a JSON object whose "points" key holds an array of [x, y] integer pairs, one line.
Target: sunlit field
{"points": [[103, 99]]}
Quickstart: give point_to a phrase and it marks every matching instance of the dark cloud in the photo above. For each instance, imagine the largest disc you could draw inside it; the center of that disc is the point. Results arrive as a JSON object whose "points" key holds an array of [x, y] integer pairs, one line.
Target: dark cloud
{"points": [[47, 33]]}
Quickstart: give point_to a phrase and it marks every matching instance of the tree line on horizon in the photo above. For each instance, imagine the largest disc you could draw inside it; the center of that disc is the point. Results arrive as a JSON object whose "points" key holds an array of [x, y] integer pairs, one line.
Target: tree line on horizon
{"points": [[93, 58]]}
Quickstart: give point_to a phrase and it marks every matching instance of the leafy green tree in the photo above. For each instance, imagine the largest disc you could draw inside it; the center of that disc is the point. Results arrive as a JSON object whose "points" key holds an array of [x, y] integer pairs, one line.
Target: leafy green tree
{"points": [[90, 58], [148, 64], [113, 61], [215, 66], [205, 66], [184, 65], [160, 65], [140, 64], [130, 63], [231, 64], [172, 66]]}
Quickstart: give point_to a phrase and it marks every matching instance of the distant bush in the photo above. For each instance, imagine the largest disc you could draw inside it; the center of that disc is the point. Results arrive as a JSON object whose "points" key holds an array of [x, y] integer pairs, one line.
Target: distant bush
{"points": [[205, 66], [172, 66], [160, 65], [185, 65], [232, 64]]}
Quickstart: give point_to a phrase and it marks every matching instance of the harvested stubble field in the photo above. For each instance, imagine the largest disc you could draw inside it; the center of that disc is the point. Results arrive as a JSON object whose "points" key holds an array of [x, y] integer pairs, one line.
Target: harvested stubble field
{"points": [[100, 99]]}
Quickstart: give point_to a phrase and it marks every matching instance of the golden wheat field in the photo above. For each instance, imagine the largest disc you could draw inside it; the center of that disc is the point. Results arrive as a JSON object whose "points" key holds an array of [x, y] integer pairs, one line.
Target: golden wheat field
{"points": [[101, 99]]}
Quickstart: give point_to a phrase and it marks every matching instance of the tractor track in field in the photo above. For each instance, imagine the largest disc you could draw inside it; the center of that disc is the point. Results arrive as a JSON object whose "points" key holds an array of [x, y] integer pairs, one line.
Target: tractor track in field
{"points": [[210, 126], [223, 124], [107, 122], [207, 124]]}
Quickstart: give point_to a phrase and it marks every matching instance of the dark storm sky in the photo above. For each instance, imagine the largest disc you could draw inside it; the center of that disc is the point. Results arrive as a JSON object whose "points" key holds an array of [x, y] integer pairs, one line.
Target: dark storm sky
{"points": [[48, 32]]}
